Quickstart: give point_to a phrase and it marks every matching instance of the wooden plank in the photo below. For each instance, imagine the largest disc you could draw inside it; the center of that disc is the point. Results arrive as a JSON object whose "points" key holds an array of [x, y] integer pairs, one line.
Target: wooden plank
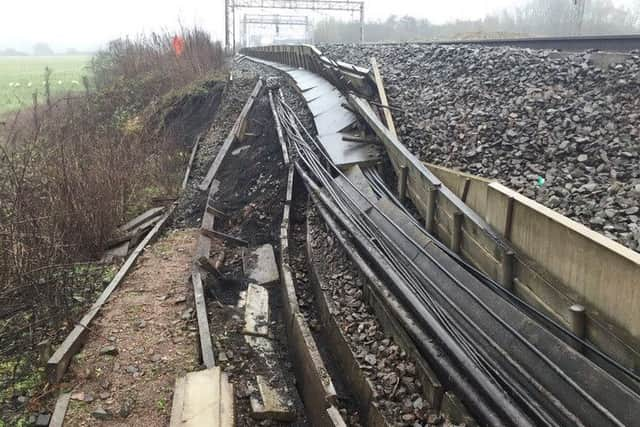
{"points": [[206, 346], [57, 364], [418, 172], [57, 418], [256, 311], [190, 164], [335, 417], [178, 402], [216, 212], [203, 247], [140, 219], [134, 235], [215, 234], [217, 162], [382, 94]]}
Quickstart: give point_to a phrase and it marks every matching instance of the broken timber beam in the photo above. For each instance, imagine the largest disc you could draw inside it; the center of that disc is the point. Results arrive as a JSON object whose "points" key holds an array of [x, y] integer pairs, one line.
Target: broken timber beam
{"points": [[206, 346], [57, 418], [420, 179], [214, 234], [217, 162], [194, 150], [141, 219], [382, 94]]}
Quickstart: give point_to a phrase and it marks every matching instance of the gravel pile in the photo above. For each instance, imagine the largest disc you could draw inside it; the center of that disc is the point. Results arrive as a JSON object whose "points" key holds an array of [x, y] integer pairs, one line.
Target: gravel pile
{"points": [[559, 128]]}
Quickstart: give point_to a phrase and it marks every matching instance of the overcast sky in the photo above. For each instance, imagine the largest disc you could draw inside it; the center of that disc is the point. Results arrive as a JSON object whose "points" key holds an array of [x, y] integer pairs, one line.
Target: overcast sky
{"points": [[87, 24]]}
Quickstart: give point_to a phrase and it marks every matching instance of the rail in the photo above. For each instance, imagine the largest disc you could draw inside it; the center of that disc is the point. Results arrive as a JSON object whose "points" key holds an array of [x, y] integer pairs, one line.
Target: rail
{"points": [[607, 43]]}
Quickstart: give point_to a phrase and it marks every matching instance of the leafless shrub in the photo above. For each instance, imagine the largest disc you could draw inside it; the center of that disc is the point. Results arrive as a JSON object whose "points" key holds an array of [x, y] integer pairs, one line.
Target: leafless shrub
{"points": [[71, 172]]}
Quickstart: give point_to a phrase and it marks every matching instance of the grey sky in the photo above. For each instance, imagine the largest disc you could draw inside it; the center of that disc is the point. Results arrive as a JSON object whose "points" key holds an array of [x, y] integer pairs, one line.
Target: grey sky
{"points": [[85, 24]]}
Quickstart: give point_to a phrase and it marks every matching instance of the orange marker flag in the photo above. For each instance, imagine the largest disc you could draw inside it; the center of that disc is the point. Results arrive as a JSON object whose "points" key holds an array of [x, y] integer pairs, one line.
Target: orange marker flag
{"points": [[178, 45]]}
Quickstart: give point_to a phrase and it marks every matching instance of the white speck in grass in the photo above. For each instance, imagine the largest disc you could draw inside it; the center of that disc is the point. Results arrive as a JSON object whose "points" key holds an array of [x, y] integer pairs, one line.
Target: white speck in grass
{"points": [[59, 82], [17, 84], [29, 84], [11, 84], [75, 82]]}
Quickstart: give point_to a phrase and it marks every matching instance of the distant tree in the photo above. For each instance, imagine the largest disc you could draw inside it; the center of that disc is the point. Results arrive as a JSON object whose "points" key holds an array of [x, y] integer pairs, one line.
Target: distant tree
{"points": [[42, 49], [534, 18], [11, 52]]}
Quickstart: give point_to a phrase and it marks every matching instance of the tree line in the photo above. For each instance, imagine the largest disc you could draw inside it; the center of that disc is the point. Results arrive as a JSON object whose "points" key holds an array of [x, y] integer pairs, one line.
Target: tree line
{"points": [[535, 18]]}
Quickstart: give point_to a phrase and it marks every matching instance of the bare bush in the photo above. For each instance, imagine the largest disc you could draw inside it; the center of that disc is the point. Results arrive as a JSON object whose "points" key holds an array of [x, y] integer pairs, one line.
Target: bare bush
{"points": [[71, 171]]}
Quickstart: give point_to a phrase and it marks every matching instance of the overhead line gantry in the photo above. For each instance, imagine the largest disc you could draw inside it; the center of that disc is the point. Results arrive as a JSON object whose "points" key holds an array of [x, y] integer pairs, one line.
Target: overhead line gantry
{"points": [[314, 5]]}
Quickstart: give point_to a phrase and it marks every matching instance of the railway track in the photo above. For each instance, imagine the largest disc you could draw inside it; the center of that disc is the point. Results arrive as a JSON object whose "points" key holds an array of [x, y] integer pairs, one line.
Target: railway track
{"points": [[605, 43], [508, 362]]}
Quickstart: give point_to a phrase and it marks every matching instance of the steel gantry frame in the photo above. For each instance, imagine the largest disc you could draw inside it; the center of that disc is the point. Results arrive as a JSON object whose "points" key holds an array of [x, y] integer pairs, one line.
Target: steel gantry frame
{"points": [[325, 5], [277, 20]]}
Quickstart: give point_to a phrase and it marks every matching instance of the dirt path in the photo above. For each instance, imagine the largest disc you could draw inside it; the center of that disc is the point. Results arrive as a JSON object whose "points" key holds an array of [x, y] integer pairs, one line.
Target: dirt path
{"points": [[144, 338]]}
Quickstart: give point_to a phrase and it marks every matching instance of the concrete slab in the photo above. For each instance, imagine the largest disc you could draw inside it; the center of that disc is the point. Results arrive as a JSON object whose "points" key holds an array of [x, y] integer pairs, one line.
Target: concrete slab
{"points": [[260, 266], [321, 89], [256, 311], [364, 196], [273, 404], [306, 80], [333, 121], [326, 102], [347, 153], [203, 398]]}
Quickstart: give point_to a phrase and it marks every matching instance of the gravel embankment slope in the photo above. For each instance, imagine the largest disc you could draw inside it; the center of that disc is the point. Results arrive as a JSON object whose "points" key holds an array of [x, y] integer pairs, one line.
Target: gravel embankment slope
{"points": [[516, 115]]}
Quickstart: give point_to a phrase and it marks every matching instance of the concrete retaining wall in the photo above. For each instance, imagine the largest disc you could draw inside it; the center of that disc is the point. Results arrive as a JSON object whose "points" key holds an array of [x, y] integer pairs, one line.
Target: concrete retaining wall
{"points": [[313, 380], [558, 261]]}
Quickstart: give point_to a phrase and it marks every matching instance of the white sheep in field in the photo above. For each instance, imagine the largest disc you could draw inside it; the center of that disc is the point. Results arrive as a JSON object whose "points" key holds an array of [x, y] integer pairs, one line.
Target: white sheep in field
{"points": [[11, 84]]}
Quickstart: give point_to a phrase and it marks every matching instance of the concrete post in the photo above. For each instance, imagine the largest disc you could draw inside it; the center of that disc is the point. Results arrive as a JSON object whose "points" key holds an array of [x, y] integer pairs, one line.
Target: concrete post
{"points": [[507, 270], [403, 174], [429, 216], [578, 323], [456, 232], [577, 320]]}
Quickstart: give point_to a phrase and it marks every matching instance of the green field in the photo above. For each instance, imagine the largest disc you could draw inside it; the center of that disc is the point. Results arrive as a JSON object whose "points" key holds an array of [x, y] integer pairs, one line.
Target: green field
{"points": [[21, 76]]}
